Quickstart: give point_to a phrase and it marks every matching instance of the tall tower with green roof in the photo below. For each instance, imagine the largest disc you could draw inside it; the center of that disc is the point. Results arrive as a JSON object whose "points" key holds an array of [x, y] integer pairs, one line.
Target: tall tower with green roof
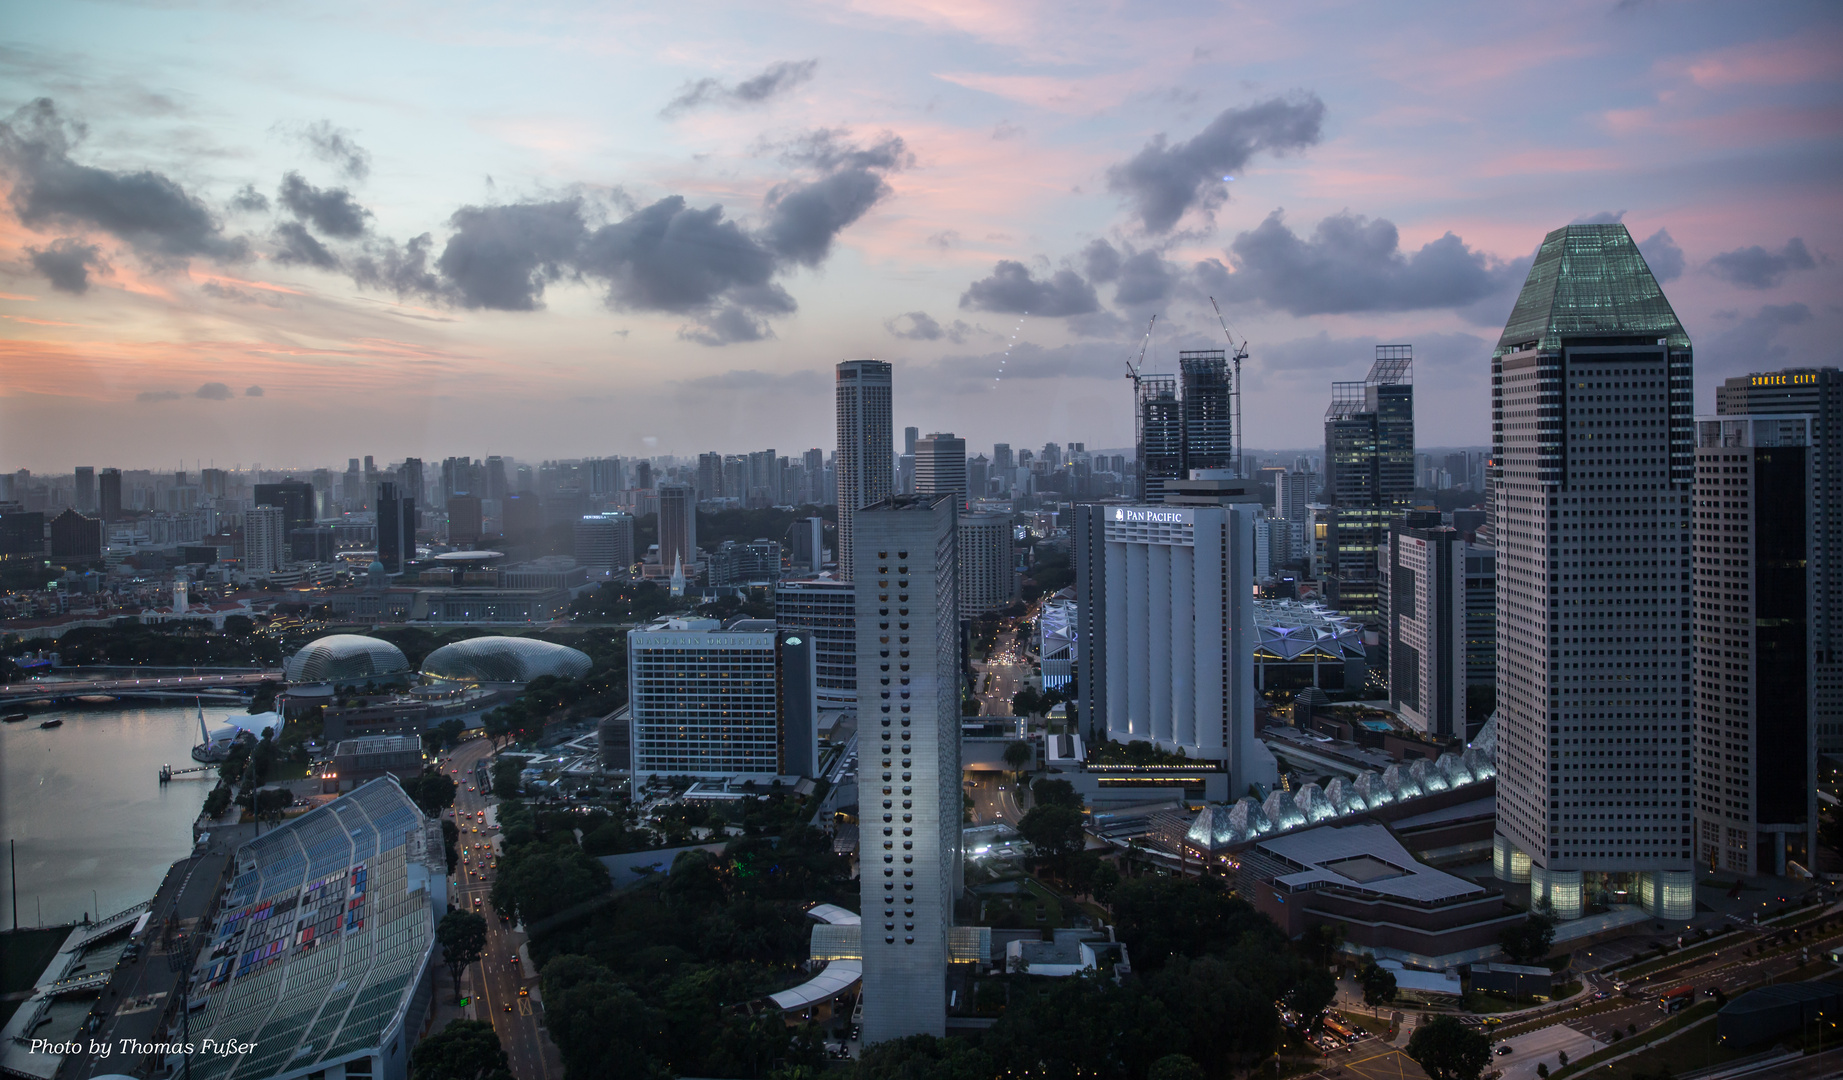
{"points": [[1593, 457]]}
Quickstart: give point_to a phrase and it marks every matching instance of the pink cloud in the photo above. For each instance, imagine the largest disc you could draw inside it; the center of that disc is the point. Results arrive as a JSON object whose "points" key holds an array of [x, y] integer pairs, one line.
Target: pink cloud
{"points": [[1808, 58]]}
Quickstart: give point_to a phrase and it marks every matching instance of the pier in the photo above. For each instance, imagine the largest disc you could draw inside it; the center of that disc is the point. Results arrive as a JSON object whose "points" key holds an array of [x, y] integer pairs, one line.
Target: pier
{"points": [[167, 772]]}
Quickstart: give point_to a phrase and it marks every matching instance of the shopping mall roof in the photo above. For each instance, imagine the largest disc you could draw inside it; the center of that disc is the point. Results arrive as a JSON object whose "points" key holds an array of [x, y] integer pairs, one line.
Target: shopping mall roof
{"points": [[1362, 857], [1289, 630], [323, 939]]}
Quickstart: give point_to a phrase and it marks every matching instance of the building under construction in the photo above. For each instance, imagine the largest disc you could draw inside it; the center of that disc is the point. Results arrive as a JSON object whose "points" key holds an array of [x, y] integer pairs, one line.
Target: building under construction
{"points": [[1197, 429]]}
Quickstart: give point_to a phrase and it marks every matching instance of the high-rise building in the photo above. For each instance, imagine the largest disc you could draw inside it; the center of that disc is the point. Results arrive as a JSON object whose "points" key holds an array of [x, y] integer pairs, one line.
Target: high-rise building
{"points": [[978, 477], [864, 466], [109, 494], [806, 545], [1593, 447], [22, 533], [1369, 474], [1159, 434], [1480, 622], [410, 484], [605, 543], [643, 475], [1001, 457], [817, 492], [75, 537], [940, 466], [1818, 393], [1424, 615], [909, 745], [1755, 692], [1165, 596], [823, 607], [988, 582], [86, 488], [497, 486], [720, 703], [1209, 419], [909, 437], [465, 523], [295, 497], [396, 528], [678, 525], [265, 540]]}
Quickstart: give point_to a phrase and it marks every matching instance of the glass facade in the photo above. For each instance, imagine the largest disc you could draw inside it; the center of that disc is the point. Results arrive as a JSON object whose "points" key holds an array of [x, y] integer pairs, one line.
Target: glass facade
{"points": [[505, 660]]}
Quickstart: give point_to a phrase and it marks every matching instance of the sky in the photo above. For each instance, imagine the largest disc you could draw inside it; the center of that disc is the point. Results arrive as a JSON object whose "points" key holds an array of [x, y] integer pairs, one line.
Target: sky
{"points": [[242, 233]]}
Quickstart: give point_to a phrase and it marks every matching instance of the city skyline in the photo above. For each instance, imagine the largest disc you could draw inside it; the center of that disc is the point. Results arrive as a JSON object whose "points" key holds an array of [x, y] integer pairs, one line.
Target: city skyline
{"points": [[259, 291]]}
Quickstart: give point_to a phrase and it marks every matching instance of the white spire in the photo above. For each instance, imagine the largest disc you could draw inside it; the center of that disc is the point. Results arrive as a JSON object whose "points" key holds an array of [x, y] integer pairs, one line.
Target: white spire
{"points": [[678, 575]]}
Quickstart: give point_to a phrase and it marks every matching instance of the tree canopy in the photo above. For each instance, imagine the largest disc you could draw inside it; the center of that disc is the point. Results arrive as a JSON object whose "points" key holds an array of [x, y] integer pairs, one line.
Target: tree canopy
{"points": [[464, 1050]]}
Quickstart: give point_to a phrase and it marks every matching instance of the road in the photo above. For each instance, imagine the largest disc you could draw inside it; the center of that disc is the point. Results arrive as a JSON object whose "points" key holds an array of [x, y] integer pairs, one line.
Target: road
{"points": [[1008, 670], [994, 800], [33, 691], [497, 979]]}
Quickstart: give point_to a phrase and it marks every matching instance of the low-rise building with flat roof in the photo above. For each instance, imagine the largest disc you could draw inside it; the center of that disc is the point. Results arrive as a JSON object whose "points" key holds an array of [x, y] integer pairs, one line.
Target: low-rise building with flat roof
{"points": [[359, 761]]}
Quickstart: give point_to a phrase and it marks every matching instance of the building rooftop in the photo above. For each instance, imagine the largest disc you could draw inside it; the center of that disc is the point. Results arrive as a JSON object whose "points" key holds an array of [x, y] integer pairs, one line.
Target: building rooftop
{"points": [[1590, 280], [1367, 858], [378, 744], [324, 937]]}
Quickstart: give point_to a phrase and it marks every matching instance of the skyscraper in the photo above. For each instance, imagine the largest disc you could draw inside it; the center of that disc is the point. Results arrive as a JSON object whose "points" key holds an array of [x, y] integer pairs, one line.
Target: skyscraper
{"points": [[1369, 474], [1817, 392], [465, 522], [86, 488], [1756, 772], [749, 712], [396, 528], [940, 466], [824, 608], [909, 436], [109, 494], [987, 580], [1209, 431], [678, 525], [1424, 617], [1165, 596], [265, 540], [1592, 387], [909, 718], [296, 499], [1158, 433], [865, 469], [605, 543]]}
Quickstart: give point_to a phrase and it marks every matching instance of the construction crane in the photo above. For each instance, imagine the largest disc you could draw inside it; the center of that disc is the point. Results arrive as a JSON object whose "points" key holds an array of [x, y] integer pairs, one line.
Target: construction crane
{"points": [[1237, 353], [1132, 370]]}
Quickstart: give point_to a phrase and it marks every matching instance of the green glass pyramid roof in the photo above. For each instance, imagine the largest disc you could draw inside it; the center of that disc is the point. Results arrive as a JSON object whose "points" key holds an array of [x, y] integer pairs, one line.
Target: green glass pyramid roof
{"points": [[1590, 280]]}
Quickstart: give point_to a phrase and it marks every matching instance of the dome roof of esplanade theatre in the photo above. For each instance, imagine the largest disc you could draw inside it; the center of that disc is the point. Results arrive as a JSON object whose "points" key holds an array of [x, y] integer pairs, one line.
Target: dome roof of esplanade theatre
{"points": [[505, 660], [345, 658]]}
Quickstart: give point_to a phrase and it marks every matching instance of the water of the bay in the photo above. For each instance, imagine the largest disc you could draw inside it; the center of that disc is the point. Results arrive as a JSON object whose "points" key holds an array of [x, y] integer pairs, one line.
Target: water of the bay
{"points": [[86, 808]]}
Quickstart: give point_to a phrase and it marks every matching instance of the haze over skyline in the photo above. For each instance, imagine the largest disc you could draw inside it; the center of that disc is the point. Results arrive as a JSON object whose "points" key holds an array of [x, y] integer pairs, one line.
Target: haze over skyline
{"points": [[294, 236]]}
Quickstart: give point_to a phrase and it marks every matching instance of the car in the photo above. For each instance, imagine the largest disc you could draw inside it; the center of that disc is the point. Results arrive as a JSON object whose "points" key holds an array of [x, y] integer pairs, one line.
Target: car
{"points": [[524, 991], [1503, 1050], [508, 1006]]}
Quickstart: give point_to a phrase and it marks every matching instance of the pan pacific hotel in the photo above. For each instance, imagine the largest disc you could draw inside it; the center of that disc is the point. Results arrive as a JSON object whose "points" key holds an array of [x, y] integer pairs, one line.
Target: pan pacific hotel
{"points": [[1166, 599]]}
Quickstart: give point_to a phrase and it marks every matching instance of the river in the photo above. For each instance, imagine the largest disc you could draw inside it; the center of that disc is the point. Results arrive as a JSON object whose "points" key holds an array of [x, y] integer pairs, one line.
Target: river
{"points": [[86, 807]]}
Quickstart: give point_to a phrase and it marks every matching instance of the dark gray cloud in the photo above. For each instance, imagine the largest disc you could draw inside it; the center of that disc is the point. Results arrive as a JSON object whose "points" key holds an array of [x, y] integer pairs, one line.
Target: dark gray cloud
{"points": [[337, 147], [248, 200], [403, 270], [1662, 255], [727, 325], [1013, 289], [945, 239], [149, 211], [776, 79], [921, 326], [295, 246], [1165, 180], [1100, 260], [1757, 268], [252, 391], [804, 218], [331, 211], [673, 257], [214, 391], [1350, 263], [501, 257], [67, 263], [157, 395], [831, 149], [1754, 342]]}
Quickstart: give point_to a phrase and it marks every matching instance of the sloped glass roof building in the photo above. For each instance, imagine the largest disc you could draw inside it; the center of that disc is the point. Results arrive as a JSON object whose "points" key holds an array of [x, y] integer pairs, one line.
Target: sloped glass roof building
{"points": [[319, 956], [339, 658], [501, 659]]}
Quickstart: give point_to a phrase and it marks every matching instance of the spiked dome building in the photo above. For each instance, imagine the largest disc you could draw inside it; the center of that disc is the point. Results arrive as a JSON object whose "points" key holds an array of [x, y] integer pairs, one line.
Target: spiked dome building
{"points": [[1592, 387]]}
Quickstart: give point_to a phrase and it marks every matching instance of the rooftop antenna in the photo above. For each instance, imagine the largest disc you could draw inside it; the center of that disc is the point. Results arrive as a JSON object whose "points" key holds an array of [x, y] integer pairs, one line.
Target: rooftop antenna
{"points": [[1237, 353]]}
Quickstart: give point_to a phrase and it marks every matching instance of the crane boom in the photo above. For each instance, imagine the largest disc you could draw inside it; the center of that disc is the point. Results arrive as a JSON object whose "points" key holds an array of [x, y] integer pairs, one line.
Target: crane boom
{"points": [[1132, 371], [1237, 353]]}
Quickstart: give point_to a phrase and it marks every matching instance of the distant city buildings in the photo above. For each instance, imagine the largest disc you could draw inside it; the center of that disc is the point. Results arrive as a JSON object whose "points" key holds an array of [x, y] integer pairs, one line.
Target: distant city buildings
{"points": [[1423, 595], [988, 580], [605, 543], [940, 467]]}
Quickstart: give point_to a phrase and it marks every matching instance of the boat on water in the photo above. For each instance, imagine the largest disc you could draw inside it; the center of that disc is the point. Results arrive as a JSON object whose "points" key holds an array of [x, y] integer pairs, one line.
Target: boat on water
{"points": [[12, 718], [52, 724]]}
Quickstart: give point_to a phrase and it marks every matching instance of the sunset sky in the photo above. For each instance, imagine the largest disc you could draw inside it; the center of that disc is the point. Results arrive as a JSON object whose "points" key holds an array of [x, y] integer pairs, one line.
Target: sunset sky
{"points": [[290, 235]]}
